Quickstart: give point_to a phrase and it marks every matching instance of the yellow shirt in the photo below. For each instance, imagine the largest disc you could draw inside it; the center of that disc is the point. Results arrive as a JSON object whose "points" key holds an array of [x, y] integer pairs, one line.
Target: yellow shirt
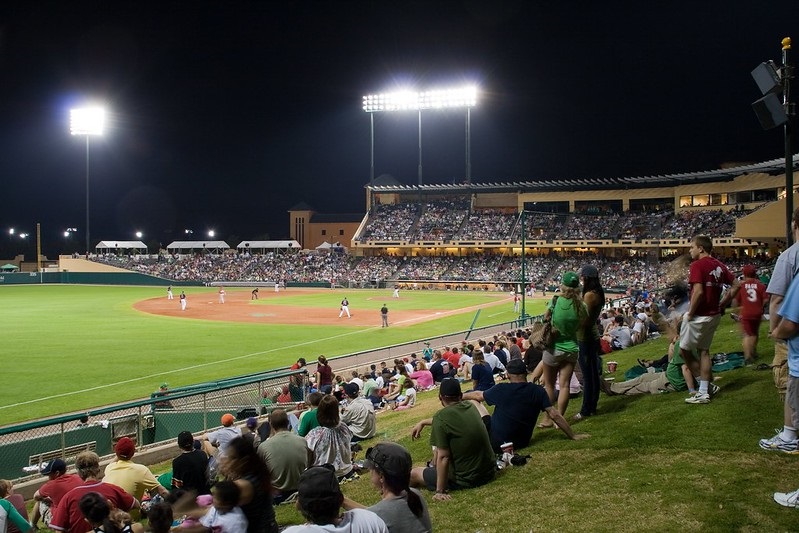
{"points": [[131, 477]]}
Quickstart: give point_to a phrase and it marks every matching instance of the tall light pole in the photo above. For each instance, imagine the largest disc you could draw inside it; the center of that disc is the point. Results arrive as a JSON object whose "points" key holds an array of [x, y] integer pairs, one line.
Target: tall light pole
{"points": [[87, 121], [464, 97]]}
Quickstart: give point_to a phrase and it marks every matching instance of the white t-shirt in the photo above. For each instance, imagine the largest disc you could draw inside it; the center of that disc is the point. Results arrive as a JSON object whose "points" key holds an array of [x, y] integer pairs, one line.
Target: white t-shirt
{"points": [[233, 521], [355, 521]]}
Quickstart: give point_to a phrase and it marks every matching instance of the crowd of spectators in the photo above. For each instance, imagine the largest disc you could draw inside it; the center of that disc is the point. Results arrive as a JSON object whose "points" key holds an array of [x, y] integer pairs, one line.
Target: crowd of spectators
{"points": [[618, 273], [453, 220]]}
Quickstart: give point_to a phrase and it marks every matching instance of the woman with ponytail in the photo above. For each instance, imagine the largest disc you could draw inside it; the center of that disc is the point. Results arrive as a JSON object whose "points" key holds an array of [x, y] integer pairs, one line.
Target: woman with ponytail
{"points": [[402, 508]]}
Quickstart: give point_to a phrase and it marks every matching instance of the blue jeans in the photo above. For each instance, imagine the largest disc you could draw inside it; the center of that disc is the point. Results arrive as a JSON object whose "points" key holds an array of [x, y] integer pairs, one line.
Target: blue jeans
{"points": [[591, 367]]}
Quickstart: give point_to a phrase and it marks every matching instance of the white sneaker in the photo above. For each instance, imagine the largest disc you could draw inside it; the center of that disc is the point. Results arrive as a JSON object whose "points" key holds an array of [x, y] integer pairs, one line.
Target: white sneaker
{"points": [[787, 499], [698, 398], [776, 443]]}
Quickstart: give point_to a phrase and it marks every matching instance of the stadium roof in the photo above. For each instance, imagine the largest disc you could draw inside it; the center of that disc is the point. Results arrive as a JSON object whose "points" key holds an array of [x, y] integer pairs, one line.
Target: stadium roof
{"points": [[775, 166], [124, 245]]}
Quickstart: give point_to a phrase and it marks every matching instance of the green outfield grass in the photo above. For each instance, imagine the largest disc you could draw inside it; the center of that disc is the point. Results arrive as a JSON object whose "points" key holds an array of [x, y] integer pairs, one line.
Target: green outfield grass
{"points": [[71, 348]]}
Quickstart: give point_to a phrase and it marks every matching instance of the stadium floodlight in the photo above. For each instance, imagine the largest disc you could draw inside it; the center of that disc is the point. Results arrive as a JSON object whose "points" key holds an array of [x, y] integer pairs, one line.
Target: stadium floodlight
{"points": [[211, 233], [11, 231], [139, 234], [23, 235], [407, 100], [87, 121]]}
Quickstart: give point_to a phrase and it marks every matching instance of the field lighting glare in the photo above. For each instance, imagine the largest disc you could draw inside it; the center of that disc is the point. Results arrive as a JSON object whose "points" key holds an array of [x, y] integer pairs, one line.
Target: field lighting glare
{"points": [[11, 231], [413, 101], [452, 98], [87, 121], [211, 233], [139, 234]]}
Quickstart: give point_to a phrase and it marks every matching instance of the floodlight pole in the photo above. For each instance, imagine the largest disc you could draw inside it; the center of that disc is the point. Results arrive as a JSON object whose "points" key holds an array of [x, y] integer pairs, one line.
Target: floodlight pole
{"points": [[523, 317], [420, 147], [787, 76], [468, 145], [88, 240], [372, 161]]}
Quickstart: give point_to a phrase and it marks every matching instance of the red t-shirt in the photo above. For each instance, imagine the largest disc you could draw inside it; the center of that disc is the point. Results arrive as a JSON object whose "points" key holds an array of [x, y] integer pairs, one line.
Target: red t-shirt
{"points": [[713, 275], [454, 360], [67, 515], [325, 375], [56, 488], [751, 297]]}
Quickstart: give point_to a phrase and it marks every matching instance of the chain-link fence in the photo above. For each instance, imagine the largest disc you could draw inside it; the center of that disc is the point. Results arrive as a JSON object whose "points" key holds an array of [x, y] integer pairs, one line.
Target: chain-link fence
{"points": [[150, 422]]}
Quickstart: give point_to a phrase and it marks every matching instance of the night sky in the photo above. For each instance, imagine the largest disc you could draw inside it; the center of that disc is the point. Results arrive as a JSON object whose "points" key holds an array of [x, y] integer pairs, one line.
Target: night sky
{"points": [[225, 114]]}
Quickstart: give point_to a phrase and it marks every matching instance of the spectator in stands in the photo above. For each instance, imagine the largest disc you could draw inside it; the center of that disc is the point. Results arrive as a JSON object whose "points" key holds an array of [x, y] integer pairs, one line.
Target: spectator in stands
{"points": [[101, 515], [463, 456], [308, 419], [407, 399], [18, 501], [47, 497], [751, 301], [67, 516], [324, 376], [588, 340], [517, 406], [619, 336], [640, 330], [568, 314], [359, 414], [133, 478], [190, 468], [422, 376], [215, 443], [481, 373], [319, 499], [286, 455], [330, 441], [401, 507], [243, 466], [436, 367]]}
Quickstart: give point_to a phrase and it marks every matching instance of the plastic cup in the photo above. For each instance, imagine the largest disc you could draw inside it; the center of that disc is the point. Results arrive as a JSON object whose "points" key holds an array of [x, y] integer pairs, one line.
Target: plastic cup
{"points": [[612, 366]]}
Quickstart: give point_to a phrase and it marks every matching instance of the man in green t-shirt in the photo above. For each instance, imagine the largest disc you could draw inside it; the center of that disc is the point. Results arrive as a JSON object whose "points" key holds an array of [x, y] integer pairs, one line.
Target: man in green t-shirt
{"points": [[463, 456]]}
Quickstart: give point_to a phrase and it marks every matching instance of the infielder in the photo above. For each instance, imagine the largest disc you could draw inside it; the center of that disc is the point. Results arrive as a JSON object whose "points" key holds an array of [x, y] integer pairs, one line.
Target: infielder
{"points": [[182, 300], [169, 295], [221, 295], [345, 308]]}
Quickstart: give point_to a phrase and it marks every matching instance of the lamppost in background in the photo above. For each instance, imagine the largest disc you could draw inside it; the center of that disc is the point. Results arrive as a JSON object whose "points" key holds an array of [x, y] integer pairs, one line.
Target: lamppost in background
{"points": [[68, 235], [87, 121], [464, 97]]}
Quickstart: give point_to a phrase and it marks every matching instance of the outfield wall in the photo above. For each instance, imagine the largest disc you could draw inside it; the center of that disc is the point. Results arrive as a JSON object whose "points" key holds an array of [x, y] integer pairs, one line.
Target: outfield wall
{"points": [[90, 278]]}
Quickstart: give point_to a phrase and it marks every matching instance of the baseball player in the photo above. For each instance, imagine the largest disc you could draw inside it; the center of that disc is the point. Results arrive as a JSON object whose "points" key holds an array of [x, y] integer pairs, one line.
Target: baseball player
{"points": [[221, 295], [169, 295], [182, 300], [345, 308]]}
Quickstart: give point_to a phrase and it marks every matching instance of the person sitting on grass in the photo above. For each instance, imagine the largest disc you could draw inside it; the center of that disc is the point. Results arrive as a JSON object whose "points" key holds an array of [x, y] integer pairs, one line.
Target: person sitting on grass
{"points": [[308, 419], [359, 414], [224, 516], [103, 518], [517, 406], [330, 442], [422, 376], [481, 373], [402, 508], [408, 400], [463, 457], [319, 499]]}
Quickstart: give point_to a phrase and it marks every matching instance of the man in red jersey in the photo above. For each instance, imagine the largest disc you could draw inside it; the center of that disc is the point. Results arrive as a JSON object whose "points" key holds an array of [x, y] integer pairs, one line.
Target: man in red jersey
{"points": [[49, 494], [68, 516], [707, 277], [751, 297]]}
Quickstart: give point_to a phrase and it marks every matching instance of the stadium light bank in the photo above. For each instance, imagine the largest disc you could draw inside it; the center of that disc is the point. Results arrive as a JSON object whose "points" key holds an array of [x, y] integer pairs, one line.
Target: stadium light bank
{"points": [[87, 121], [452, 98]]}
